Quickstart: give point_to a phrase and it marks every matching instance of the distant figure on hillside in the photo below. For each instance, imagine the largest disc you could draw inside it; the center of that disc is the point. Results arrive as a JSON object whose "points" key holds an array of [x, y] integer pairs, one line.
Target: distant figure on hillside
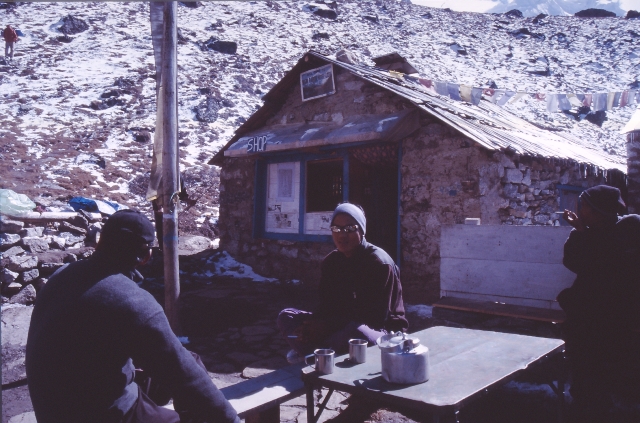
{"points": [[92, 328], [10, 38], [360, 293], [602, 329]]}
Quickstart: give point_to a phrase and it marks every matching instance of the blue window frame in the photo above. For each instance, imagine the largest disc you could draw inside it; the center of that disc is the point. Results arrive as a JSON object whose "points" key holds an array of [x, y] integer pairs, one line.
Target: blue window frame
{"points": [[261, 191]]}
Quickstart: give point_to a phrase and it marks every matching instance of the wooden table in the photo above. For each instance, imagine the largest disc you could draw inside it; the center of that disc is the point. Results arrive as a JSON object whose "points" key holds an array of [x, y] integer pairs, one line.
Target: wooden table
{"points": [[464, 364]]}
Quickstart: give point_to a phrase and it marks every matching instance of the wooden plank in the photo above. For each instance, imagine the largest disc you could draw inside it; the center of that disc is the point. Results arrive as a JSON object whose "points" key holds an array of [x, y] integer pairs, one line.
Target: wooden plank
{"points": [[498, 309], [529, 244], [526, 302], [507, 279], [266, 391], [49, 216]]}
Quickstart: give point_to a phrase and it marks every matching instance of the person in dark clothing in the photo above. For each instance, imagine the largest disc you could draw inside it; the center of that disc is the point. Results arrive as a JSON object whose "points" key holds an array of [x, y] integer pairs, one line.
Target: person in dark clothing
{"points": [[92, 326], [360, 293], [602, 306]]}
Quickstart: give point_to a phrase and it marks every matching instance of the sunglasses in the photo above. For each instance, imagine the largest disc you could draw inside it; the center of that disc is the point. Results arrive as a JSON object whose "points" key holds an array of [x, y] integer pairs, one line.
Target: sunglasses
{"points": [[346, 229]]}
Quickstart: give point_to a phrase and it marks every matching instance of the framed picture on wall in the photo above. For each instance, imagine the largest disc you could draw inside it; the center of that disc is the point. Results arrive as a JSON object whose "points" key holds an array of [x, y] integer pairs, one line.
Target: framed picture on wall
{"points": [[317, 83]]}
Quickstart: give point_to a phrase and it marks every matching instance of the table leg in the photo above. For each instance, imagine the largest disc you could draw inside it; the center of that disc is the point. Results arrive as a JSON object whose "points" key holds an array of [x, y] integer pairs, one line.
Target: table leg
{"points": [[311, 415], [447, 418]]}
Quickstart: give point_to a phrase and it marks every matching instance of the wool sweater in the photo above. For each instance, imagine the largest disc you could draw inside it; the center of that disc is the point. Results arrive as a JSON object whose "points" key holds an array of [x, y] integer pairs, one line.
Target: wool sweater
{"points": [[90, 328], [364, 288]]}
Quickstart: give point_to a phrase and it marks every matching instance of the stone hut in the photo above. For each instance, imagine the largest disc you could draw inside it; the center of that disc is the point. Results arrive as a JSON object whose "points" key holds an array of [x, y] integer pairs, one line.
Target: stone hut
{"points": [[335, 130]]}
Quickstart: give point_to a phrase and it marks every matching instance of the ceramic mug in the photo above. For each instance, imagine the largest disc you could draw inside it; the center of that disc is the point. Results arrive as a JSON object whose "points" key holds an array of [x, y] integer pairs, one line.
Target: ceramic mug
{"points": [[323, 360]]}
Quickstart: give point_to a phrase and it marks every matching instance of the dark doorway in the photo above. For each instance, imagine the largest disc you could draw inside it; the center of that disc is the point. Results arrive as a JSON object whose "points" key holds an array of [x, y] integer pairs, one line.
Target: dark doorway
{"points": [[373, 184]]}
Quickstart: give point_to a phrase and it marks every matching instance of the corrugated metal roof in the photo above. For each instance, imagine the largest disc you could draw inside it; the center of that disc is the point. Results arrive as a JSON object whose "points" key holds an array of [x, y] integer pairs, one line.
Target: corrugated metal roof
{"points": [[386, 127], [487, 124], [633, 124]]}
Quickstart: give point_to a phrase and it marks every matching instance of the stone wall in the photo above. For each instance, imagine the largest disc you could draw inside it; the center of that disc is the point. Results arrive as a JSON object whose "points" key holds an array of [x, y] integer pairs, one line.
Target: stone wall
{"points": [[31, 251], [446, 178]]}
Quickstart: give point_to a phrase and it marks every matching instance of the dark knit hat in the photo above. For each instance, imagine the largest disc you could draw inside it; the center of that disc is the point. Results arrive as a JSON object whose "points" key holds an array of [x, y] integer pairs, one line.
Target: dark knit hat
{"points": [[129, 225], [354, 211], [604, 199]]}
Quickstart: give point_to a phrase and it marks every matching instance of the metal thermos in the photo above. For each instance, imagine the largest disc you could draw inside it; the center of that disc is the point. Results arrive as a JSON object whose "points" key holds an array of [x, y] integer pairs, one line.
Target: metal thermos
{"points": [[404, 360]]}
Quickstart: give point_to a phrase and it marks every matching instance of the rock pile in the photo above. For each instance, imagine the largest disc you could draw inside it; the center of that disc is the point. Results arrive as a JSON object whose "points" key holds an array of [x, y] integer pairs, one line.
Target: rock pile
{"points": [[30, 251]]}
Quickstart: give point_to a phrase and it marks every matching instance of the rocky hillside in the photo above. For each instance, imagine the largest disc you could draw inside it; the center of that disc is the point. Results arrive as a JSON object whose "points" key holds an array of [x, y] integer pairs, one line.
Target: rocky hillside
{"points": [[77, 103]]}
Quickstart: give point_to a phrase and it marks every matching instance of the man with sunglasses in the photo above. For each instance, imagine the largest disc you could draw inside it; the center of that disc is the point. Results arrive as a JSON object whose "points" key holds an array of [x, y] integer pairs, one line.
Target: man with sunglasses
{"points": [[360, 293], [602, 328], [92, 324]]}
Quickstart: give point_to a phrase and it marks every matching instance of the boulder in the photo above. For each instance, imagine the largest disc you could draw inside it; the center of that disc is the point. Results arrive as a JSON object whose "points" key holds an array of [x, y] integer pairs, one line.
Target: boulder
{"points": [[321, 10], [7, 276], [346, 56], [632, 14], [207, 110], [10, 226], [22, 263], [32, 232], [29, 276], [227, 47], [72, 25], [142, 137], [80, 220], [189, 245], [66, 226], [13, 251], [26, 296], [71, 238], [514, 13], [538, 18], [595, 13], [57, 242], [7, 240], [35, 244]]}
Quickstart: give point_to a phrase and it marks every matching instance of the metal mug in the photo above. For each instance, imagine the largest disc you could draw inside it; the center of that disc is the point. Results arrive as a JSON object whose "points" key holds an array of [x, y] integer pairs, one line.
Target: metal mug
{"points": [[323, 359], [358, 350]]}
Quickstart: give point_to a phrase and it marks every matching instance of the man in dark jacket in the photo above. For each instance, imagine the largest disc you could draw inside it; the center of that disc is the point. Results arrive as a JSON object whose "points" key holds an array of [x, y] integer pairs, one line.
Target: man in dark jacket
{"points": [[92, 326], [360, 293], [602, 305]]}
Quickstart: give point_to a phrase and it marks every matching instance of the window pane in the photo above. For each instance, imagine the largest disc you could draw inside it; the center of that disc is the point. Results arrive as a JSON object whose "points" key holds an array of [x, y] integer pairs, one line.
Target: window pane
{"points": [[324, 185], [285, 184], [283, 201]]}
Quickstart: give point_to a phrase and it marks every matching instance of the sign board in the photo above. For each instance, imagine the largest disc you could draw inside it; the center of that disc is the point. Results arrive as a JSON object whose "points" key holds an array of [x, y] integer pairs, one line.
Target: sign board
{"points": [[317, 83], [256, 144]]}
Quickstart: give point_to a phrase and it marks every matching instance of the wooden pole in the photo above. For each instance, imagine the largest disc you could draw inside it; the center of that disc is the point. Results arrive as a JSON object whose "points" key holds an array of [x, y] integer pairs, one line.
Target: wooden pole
{"points": [[170, 167]]}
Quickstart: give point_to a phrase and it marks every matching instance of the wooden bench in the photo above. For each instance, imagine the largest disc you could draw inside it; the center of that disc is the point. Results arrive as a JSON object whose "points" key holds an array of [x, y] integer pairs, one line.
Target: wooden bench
{"points": [[258, 400], [501, 270]]}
